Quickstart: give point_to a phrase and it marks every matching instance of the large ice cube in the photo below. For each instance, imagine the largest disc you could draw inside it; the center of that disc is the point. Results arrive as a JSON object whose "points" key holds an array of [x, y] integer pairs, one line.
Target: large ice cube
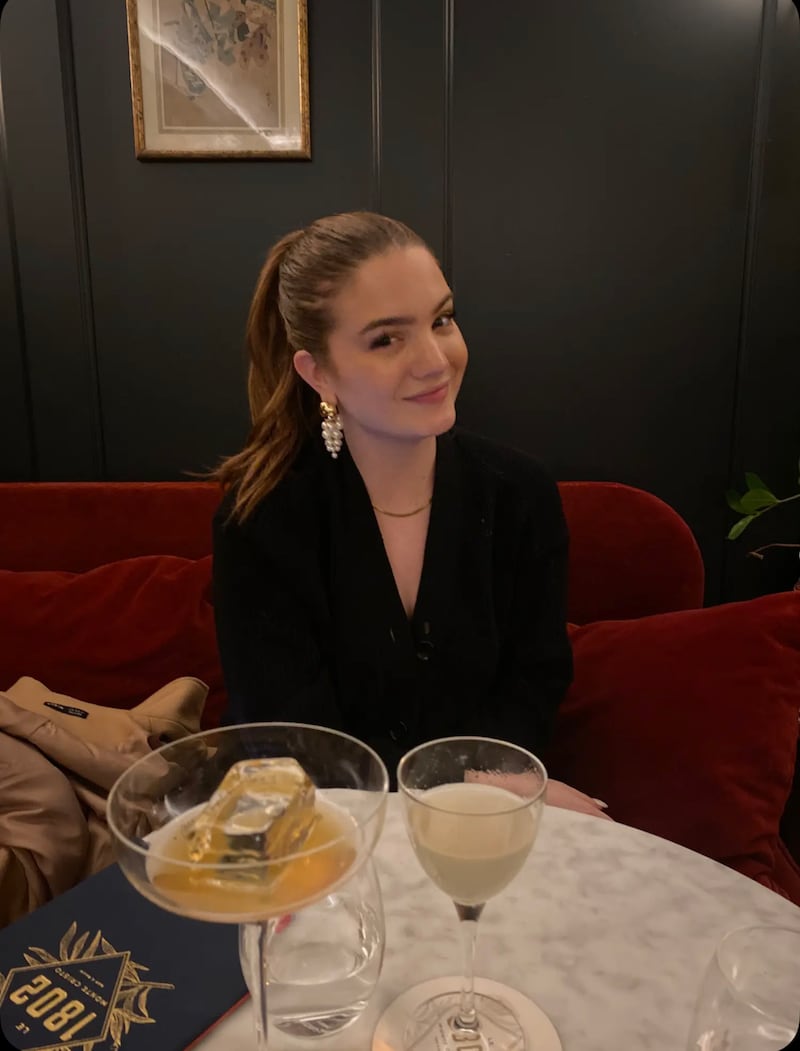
{"points": [[262, 810]]}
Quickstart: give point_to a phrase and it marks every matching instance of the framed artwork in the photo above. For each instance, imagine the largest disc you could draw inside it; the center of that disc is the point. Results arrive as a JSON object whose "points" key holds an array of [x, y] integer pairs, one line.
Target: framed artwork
{"points": [[219, 78]]}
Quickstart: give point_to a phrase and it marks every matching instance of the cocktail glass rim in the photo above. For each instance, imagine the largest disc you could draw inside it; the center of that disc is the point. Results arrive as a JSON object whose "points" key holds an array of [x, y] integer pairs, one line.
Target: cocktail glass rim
{"points": [[420, 797], [146, 849]]}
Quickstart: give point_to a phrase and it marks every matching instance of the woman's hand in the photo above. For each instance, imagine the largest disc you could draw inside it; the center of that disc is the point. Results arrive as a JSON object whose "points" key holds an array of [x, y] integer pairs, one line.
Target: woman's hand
{"points": [[557, 794], [561, 795]]}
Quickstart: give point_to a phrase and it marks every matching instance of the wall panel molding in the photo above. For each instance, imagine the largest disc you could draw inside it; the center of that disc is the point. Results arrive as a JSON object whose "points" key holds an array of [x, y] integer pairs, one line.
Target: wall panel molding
{"points": [[82, 259], [18, 459], [43, 172], [765, 429], [413, 185], [448, 68], [377, 106]]}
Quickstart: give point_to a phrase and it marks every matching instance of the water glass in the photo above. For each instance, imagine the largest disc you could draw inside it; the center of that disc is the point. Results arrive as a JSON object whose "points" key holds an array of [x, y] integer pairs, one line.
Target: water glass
{"points": [[324, 961], [750, 996]]}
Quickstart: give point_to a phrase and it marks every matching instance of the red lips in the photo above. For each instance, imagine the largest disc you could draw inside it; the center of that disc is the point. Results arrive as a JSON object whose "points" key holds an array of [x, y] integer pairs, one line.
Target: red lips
{"points": [[433, 396]]}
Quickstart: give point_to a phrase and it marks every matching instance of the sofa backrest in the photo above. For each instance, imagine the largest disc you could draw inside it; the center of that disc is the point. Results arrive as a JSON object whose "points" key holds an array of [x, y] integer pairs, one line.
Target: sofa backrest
{"points": [[631, 554], [77, 526]]}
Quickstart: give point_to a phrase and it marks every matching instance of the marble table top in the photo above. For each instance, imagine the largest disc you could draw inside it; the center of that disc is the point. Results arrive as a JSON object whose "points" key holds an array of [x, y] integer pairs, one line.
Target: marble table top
{"points": [[607, 928]]}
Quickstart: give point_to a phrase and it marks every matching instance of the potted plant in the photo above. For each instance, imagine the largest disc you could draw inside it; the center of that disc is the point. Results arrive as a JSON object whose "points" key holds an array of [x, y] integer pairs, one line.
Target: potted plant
{"points": [[755, 501]]}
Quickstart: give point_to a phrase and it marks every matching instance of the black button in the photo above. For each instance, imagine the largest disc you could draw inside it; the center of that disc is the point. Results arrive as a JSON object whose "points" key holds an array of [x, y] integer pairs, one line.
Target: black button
{"points": [[396, 733], [424, 650]]}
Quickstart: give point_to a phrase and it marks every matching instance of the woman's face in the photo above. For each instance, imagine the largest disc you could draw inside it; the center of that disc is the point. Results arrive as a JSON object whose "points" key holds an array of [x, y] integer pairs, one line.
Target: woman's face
{"points": [[396, 356]]}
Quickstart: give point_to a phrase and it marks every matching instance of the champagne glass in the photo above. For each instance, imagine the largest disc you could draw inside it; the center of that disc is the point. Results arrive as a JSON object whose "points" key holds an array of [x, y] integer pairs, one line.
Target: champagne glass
{"points": [[242, 877], [472, 808], [750, 996]]}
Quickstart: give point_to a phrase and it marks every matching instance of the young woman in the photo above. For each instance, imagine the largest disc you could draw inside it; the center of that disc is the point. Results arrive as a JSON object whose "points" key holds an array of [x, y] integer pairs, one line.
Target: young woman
{"points": [[376, 570]]}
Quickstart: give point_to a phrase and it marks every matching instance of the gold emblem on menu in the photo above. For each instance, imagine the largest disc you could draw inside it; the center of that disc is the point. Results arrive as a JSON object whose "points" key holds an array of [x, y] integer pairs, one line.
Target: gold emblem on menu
{"points": [[88, 994]]}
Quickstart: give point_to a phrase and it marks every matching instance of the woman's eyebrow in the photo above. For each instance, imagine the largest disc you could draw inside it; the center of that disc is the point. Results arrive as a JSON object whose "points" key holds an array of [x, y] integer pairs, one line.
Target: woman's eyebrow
{"points": [[384, 322]]}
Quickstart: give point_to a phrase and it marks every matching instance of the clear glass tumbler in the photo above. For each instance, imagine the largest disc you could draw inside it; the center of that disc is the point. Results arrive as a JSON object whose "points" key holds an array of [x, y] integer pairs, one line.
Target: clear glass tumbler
{"points": [[750, 996], [324, 961]]}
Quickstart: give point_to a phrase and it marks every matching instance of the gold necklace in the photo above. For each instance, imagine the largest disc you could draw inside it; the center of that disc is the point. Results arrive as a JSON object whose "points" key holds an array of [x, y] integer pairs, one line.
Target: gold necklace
{"points": [[402, 514]]}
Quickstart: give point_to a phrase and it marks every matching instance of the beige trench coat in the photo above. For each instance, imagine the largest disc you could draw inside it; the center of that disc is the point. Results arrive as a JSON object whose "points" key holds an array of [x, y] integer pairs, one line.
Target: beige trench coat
{"points": [[59, 758]]}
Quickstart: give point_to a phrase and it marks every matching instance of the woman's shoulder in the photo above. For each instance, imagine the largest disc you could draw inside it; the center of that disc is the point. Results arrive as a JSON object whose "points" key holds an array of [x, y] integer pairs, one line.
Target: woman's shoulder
{"points": [[289, 504], [523, 493], [504, 464]]}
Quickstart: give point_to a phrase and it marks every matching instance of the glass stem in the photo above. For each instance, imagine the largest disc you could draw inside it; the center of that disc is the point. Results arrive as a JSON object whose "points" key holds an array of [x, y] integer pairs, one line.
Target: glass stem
{"points": [[257, 938], [466, 1020]]}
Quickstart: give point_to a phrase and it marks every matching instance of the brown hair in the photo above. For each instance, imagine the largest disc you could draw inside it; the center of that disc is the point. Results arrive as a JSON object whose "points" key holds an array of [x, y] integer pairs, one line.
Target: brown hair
{"points": [[290, 311]]}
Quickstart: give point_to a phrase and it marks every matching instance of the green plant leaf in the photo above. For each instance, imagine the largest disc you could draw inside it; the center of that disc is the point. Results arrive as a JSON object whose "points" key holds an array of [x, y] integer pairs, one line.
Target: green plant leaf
{"points": [[754, 482], [758, 500], [734, 501], [739, 527]]}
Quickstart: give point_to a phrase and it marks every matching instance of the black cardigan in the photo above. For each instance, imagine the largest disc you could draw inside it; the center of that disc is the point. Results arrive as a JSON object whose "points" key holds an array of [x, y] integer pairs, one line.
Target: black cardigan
{"points": [[311, 627]]}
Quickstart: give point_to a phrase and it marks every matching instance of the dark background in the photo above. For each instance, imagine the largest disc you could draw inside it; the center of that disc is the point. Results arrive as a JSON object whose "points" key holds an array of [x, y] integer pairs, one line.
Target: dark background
{"points": [[613, 189]]}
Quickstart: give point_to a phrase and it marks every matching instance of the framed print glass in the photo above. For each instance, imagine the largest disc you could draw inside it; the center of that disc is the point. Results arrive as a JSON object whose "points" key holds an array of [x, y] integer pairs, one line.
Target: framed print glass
{"points": [[219, 78]]}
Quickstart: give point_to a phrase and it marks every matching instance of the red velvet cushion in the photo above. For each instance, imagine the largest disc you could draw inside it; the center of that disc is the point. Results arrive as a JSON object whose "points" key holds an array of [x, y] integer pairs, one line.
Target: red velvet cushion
{"points": [[112, 635], [686, 724]]}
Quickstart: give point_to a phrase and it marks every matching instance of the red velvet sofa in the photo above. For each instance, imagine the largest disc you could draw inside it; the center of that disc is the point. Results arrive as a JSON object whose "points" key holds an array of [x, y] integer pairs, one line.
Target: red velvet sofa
{"points": [[683, 719]]}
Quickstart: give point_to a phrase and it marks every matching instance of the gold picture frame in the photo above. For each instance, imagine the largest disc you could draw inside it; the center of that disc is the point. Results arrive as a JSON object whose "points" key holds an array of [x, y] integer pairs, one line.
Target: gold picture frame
{"points": [[219, 78]]}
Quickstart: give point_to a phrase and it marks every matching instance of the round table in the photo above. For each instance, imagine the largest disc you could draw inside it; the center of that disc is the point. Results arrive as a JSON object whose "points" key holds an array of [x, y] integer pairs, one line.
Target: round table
{"points": [[607, 928]]}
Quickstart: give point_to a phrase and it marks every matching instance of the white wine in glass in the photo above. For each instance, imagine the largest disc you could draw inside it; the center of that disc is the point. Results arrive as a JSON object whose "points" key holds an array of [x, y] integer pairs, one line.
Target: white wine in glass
{"points": [[472, 807], [471, 838], [220, 827]]}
